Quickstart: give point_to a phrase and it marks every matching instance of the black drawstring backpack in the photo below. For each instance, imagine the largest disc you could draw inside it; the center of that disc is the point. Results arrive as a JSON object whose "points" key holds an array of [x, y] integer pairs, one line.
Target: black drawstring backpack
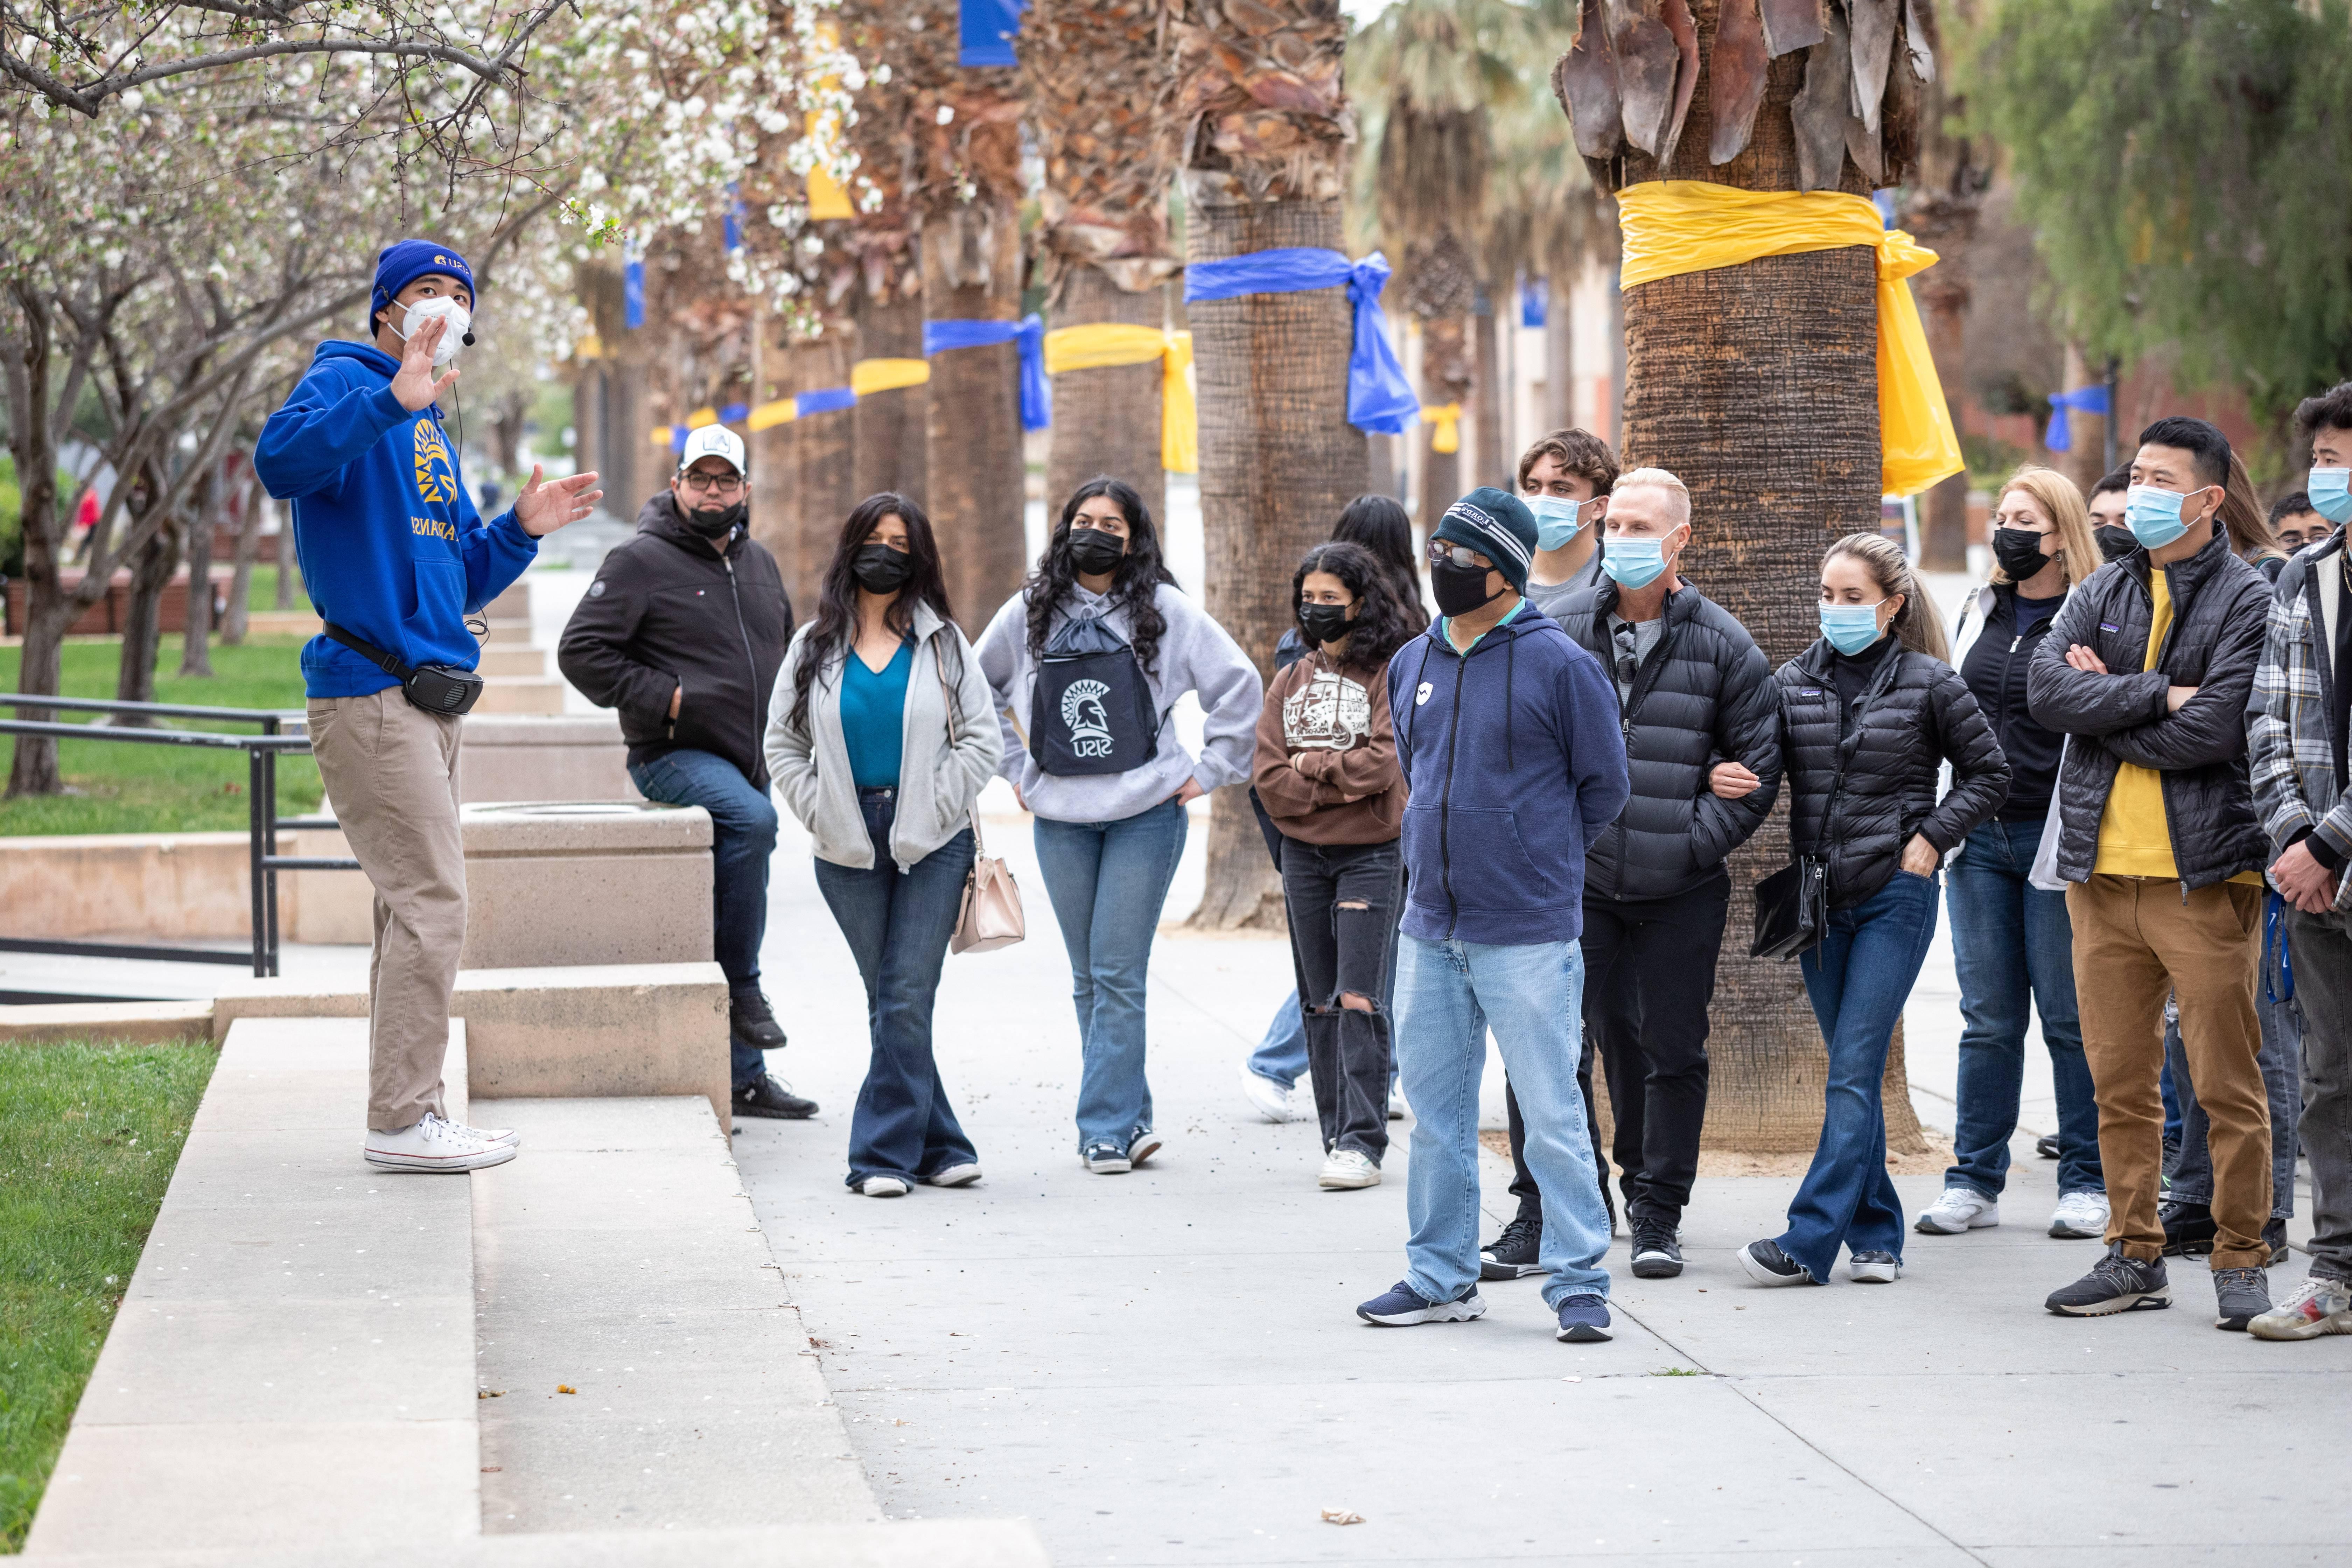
{"points": [[1090, 708]]}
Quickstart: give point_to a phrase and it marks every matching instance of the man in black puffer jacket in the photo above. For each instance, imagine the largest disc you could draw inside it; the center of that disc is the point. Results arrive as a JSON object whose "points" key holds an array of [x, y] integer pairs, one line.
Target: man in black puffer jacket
{"points": [[1702, 742], [2150, 670]]}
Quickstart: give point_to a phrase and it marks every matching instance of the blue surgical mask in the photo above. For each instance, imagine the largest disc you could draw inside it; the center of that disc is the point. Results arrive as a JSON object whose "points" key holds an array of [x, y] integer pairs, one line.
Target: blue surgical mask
{"points": [[2331, 493], [1634, 562], [2154, 515], [1556, 519], [1849, 628]]}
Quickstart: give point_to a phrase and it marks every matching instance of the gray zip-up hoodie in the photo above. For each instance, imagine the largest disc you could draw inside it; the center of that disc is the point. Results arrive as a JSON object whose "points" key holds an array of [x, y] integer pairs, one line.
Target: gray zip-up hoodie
{"points": [[937, 784], [1195, 655]]}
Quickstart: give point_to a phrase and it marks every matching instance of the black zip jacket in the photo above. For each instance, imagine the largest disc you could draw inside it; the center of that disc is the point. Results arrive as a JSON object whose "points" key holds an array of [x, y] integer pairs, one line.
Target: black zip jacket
{"points": [[2220, 607], [1857, 795], [1704, 695], [1995, 668], [667, 611]]}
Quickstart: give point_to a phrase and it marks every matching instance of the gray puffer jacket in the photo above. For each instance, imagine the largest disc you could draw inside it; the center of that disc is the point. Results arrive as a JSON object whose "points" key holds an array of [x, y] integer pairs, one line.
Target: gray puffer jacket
{"points": [[2220, 606]]}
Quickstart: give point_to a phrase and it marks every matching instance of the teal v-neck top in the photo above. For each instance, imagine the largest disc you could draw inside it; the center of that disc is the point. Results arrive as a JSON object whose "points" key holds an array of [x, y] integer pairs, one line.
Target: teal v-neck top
{"points": [[874, 718]]}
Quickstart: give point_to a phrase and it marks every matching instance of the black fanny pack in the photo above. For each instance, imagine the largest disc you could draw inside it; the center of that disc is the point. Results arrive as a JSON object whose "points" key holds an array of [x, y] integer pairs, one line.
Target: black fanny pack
{"points": [[436, 688]]}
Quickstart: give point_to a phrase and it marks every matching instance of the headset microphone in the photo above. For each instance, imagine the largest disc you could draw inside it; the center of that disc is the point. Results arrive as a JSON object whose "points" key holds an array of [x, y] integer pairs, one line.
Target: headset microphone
{"points": [[467, 339]]}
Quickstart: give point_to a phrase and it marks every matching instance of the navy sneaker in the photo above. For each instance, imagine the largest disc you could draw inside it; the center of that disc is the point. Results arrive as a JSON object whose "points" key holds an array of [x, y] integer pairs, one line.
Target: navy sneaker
{"points": [[1402, 1308], [1583, 1319]]}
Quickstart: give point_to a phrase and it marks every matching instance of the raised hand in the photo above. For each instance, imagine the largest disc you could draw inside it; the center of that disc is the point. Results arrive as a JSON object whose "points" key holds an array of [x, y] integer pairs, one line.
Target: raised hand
{"points": [[413, 384], [541, 509]]}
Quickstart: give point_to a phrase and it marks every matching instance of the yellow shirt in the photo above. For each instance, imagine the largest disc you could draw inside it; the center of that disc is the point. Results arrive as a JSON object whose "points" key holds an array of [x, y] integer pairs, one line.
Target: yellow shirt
{"points": [[2134, 840]]}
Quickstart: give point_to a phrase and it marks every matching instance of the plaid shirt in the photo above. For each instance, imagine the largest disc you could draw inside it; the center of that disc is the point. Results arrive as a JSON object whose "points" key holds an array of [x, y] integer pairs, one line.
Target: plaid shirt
{"points": [[2292, 760]]}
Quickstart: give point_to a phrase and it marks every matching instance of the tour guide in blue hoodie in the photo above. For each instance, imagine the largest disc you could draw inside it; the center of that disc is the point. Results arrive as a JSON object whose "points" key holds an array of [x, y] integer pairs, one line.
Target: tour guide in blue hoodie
{"points": [[394, 552], [1508, 734]]}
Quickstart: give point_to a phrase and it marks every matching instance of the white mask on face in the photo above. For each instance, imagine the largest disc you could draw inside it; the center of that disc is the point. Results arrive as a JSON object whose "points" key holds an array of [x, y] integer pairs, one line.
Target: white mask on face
{"points": [[460, 319]]}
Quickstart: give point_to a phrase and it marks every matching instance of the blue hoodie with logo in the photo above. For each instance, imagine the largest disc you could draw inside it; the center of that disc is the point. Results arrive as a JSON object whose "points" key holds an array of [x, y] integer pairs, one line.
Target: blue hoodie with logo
{"points": [[1516, 764], [391, 546]]}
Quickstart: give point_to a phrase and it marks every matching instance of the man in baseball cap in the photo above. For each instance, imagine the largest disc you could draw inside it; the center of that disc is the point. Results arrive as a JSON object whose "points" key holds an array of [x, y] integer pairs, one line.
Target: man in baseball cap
{"points": [[683, 631]]}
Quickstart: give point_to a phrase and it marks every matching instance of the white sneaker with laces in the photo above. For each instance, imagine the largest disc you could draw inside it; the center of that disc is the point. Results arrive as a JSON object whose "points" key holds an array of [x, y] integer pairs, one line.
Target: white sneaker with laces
{"points": [[1957, 1209], [884, 1187], [2080, 1216], [962, 1175], [489, 1134], [433, 1144], [1267, 1097], [1348, 1169], [1396, 1103]]}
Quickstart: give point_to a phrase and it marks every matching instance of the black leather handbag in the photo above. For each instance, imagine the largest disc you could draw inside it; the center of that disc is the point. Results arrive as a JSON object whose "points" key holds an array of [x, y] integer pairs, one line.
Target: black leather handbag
{"points": [[1792, 910]]}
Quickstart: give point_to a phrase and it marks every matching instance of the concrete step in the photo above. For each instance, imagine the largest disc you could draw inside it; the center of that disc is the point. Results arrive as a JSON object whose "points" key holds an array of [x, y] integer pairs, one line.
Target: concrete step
{"points": [[514, 658], [520, 694], [512, 604], [925, 1543], [299, 1328], [510, 628]]}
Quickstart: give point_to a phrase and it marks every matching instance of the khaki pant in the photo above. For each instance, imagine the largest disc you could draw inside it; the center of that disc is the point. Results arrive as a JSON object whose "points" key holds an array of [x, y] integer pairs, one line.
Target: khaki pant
{"points": [[2135, 937], [391, 772]]}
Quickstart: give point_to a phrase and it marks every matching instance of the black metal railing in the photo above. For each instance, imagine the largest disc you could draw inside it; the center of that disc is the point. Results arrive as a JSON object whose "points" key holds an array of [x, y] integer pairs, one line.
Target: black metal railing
{"points": [[262, 752]]}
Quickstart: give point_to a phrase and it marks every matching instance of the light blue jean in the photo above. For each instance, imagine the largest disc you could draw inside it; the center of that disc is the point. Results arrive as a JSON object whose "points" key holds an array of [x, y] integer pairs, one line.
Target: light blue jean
{"points": [[1447, 994], [1108, 881], [1281, 1057]]}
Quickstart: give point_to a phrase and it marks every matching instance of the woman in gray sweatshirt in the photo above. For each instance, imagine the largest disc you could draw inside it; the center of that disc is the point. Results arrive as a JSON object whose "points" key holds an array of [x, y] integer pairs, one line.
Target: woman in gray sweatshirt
{"points": [[1085, 668]]}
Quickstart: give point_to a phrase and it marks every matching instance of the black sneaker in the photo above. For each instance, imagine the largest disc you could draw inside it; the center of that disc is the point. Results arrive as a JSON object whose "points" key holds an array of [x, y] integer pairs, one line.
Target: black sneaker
{"points": [[2240, 1296], [2046, 1145], [1513, 1254], [1657, 1249], [772, 1096], [1765, 1263], [2189, 1229], [750, 1018], [2275, 1237], [2115, 1284]]}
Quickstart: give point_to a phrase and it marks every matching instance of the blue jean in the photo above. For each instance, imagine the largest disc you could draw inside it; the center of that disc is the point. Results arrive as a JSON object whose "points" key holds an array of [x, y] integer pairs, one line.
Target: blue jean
{"points": [[1857, 979], [743, 838], [1448, 993], [898, 925], [2281, 1058], [2013, 946], [1108, 881]]}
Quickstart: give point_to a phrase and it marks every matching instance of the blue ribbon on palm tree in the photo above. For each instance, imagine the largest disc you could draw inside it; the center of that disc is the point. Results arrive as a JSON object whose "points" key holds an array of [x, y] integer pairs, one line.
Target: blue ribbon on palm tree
{"points": [[1380, 399], [985, 30], [2060, 436], [1027, 333]]}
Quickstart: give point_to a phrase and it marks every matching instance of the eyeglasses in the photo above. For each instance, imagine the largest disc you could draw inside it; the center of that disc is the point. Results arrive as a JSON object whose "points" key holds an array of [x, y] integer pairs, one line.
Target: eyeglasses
{"points": [[718, 484], [1440, 554]]}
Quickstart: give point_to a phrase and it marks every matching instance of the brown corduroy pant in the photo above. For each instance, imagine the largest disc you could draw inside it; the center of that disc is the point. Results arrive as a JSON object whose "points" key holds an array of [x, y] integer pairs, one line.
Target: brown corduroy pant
{"points": [[391, 772], [2136, 938]]}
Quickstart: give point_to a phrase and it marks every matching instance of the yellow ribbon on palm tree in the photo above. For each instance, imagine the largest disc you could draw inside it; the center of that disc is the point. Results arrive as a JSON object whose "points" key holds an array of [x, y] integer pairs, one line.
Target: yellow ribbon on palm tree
{"points": [[1673, 226], [869, 376], [1101, 346], [1447, 417]]}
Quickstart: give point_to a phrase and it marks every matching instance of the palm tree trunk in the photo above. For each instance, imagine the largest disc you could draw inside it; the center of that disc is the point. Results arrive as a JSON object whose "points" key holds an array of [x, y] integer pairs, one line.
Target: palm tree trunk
{"points": [[1490, 404], [978, 479], [1445, 377], [827, 473], [1560, 352], [887, 439], [2085, 460], [1106, 421], [1278, 459]]}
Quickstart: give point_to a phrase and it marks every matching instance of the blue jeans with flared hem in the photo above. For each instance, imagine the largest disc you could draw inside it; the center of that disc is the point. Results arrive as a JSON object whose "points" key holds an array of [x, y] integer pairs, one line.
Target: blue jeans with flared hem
{"points": [[1857, 979], [1448, 993], [898, 925], [742, 839], [2015, 948], [1108, 881]]}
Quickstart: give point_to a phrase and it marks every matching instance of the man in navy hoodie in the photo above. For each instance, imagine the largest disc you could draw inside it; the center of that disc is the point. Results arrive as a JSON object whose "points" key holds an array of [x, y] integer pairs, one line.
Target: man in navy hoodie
{"points": [[395, 556], [1509, 735]]}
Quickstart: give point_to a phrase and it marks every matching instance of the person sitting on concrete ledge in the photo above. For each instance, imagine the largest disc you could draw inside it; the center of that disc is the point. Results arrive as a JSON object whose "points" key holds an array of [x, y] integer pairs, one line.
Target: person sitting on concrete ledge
{"points": [[396, 557], [683, 631]]}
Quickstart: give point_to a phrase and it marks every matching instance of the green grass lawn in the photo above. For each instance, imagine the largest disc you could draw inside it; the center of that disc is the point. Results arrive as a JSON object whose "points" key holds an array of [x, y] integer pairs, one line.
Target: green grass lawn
{"points": [[127, 787], [89, 1134]]}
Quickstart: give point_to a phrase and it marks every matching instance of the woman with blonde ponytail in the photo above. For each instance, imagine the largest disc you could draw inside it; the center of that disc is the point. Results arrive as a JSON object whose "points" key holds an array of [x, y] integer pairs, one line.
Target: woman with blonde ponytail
{"points": [[1869, 715]]}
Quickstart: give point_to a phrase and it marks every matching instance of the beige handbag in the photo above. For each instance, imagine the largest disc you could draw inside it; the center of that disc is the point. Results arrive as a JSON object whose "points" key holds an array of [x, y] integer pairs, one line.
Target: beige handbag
{"points": [[991, 916]]}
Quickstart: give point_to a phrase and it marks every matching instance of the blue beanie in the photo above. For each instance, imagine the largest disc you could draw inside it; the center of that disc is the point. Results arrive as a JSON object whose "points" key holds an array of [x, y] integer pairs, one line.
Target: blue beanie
{"points": [[1498, 526], [399, 265]]}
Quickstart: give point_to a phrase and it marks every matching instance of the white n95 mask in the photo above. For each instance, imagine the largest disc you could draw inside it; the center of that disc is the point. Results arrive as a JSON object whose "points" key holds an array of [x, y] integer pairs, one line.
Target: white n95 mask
{"points": [[460, 319]]}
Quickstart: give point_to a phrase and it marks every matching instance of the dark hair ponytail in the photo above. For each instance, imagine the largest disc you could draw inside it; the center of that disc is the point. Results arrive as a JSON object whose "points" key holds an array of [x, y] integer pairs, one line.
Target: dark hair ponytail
{"points": [[1133, 587]]}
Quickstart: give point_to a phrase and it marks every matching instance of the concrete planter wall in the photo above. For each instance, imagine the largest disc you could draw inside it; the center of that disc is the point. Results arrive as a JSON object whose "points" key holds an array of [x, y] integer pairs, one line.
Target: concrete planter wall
{"points": [[585, 882]]}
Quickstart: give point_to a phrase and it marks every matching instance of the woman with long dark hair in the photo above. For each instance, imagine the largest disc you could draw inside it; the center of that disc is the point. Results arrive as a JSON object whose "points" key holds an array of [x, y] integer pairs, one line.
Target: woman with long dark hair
{"points": [[880, 742], [1327, 773], [1086, 666]]}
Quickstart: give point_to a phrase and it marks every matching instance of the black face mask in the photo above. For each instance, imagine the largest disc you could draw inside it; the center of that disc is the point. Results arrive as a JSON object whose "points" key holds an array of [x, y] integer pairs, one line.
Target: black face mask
{"points": [[1326, 622], [1094, 553], [2018, 551], [714, 523], [1459, 589], [880, 569], [2116, 541]]}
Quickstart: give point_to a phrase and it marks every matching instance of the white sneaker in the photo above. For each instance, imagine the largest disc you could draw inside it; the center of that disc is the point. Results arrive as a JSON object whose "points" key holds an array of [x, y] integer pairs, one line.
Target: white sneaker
{"points": [[2080, 1216], [962, 1175], [1267, 1097], [1396, 1103], [489, 1134], [1957, 1209], [1348, 1169], [434, 1144], [883, 1187]]}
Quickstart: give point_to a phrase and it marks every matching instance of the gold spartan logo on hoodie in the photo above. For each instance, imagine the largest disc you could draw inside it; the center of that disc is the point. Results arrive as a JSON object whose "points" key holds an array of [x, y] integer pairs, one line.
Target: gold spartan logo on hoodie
{"points": [[436, 481]]}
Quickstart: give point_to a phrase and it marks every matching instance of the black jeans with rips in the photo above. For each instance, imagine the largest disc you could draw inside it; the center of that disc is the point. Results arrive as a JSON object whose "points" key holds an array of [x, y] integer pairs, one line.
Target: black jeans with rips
{"points": [[1345, 900]]}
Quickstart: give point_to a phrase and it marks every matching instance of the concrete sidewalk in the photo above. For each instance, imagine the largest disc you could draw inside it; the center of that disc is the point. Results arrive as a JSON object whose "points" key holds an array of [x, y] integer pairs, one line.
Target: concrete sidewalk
{"points": [[1164, 1367]]}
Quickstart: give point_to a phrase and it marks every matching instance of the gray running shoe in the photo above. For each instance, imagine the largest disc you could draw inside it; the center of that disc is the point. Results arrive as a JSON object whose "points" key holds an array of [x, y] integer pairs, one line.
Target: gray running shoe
{"points": [[2240, 1296], [2115, 1284]]}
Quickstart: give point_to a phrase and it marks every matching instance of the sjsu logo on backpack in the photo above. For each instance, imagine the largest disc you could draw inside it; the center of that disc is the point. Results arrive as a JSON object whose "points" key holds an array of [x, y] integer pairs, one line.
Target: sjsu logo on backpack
{"points": [[1083, 716], [1421, 696]]}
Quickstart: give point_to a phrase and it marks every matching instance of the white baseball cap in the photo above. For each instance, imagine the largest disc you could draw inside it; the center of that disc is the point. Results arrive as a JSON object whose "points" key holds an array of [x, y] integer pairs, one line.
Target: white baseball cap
{"points": [[713, 441]]}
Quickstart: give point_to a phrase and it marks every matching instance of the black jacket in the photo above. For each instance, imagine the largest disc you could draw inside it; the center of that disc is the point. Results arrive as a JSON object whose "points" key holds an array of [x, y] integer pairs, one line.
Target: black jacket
{"points": [[1856, 801], [1704, 695], [2220, 606], [667, 611], [1995, 666]]}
